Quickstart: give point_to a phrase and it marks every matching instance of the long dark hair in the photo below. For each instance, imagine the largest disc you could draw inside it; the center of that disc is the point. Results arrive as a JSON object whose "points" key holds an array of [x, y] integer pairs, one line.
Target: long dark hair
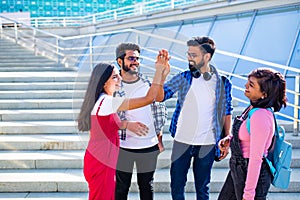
{"points": [[273, 84], [99, 76]]}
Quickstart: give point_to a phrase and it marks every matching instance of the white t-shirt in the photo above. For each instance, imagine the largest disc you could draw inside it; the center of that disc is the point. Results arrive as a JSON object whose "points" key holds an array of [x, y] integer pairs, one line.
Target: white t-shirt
{"points": [[109, 105], [195, 122], [143, 115]]}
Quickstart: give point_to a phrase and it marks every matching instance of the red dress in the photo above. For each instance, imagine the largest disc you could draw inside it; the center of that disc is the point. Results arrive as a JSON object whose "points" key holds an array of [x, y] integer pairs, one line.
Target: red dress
{"points": [[101, 156]]}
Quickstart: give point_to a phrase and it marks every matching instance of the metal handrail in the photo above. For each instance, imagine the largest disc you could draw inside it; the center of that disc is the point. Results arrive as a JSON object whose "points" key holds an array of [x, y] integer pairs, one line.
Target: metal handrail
{"points": [[72, 56], [142, 8]]}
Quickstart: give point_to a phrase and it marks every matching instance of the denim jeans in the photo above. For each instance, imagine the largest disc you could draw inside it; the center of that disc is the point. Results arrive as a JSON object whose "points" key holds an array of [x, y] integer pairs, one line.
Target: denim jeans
{"points": [[145, 161], [203, 158], [233, 188]]}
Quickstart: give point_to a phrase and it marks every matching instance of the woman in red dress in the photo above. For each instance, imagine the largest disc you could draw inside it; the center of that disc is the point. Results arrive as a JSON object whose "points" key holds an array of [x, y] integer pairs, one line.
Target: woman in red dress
{"points": [[98, 115]]}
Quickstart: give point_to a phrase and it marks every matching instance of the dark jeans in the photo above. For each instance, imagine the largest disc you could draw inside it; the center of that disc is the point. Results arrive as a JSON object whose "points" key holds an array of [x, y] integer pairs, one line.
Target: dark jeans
{"points": [[182, 155], [145, 161], [233, 188]]}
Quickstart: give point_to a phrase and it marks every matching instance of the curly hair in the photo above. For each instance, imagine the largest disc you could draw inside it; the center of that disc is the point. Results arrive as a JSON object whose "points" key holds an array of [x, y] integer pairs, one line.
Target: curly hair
{"points": [[273, 84]]}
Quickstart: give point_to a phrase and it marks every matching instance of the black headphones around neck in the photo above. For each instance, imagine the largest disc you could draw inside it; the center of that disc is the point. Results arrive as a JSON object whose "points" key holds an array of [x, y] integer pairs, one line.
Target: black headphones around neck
{"points": [[206, 75]]}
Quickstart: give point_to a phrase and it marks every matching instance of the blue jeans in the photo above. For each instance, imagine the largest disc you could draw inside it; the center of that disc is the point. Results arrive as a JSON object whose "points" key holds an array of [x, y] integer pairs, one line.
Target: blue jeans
{"points": [[203, 158]]}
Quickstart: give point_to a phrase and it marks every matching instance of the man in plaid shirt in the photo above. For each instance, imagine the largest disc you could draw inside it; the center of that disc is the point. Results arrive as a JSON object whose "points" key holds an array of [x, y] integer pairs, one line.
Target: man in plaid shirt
{"points": [[141, 141], [203, 111]]}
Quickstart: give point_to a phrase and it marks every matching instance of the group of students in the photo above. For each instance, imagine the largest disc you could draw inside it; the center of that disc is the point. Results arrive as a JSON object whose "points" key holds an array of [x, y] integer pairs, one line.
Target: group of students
{"points": [[125, 115]]}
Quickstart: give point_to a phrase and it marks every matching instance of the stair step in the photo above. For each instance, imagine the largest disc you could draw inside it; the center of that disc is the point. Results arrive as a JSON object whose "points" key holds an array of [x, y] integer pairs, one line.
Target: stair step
{"points": [[44, 141], [12, 50], [39, 114], [43, 86], [131, 196], [38, 127], [40, 103], [17, 57], [43, 159], [69, 76], [21, 68], [48, 180], [50, 159], [72, 180], [16, 50], [67, 158], [29, 62], [45, 196], [42, 94]]}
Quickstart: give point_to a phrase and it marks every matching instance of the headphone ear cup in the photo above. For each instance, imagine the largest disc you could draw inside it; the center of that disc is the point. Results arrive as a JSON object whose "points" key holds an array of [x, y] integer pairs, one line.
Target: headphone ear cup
{"points": [[196, 74], [207, 76]]}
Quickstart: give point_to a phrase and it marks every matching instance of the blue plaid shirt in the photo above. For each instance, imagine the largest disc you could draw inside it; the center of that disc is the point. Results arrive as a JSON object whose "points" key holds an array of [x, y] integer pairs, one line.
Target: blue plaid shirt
{"points": [[158, 109], [181, 83]]}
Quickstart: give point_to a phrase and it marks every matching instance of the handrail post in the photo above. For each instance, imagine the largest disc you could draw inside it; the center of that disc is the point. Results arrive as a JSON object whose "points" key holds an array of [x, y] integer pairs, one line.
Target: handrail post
{"points": [[296, 108], [91, 52], [172, 4], [115, 15], [137, 39], [141, 5], [57, 50], [1, 29], [16, 32], [34, 42], [36, 23], [94, 19]]}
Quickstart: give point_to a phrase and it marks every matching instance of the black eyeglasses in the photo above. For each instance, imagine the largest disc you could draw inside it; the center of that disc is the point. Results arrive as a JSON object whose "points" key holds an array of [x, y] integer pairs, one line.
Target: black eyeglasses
{"points": [[192, 55], [134, 59]]}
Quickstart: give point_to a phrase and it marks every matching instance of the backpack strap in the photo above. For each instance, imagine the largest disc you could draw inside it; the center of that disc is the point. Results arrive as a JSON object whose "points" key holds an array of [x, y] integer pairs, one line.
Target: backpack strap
{"points": [[272, 168]]}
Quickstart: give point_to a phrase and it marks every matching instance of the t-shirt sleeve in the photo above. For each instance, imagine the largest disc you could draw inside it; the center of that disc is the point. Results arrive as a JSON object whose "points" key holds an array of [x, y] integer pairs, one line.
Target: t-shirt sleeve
{"points": [[110, 105]]}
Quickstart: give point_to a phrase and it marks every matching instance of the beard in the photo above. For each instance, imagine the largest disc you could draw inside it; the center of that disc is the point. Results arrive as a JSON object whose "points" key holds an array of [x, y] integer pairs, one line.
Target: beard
{"points": [[192, 64], [127, 69]]}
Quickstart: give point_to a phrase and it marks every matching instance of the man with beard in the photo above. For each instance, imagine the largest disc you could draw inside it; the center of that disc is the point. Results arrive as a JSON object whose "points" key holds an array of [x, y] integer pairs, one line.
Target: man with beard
{"points": [[138, 144], [203, 112]]}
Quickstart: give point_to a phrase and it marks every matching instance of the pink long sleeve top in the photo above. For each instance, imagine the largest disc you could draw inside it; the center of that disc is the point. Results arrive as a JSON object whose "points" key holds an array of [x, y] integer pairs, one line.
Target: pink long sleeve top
{"points": [[255, 145]]}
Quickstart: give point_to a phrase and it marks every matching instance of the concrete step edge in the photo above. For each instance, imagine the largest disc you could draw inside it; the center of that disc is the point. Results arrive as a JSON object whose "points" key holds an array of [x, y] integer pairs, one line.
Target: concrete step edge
{"points": [[131, 196], [72, 158], [43, 141], [38, 127], [73, 180]]}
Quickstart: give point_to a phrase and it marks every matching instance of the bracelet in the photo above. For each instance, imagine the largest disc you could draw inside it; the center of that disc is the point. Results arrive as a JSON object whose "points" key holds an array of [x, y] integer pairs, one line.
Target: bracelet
{"points": [[230, 136], [159, 84]]}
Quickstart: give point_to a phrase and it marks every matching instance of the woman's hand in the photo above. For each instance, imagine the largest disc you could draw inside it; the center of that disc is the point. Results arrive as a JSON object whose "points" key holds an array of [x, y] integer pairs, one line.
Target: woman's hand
{"points": [[137, 128]]}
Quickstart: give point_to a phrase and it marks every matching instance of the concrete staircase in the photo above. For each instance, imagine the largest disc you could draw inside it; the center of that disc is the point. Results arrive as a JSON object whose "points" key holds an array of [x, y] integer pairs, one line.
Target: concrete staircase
{"points": [[41, 150]]}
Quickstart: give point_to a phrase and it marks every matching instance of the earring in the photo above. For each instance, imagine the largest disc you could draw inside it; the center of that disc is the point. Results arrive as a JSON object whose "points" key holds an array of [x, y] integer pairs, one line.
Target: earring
{"points": [[262, 97]]}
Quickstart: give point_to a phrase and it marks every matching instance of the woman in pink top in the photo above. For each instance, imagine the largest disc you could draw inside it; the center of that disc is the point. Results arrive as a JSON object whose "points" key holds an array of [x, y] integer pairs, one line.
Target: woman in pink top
{"points": [[98, 115], [249, 176]]}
